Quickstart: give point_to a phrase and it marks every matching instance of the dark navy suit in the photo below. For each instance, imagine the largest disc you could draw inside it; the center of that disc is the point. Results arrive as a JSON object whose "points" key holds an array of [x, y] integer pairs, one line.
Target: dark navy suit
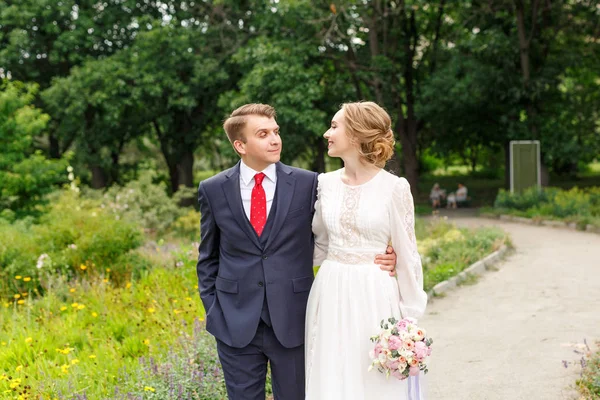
{"points": [[255, 289]]}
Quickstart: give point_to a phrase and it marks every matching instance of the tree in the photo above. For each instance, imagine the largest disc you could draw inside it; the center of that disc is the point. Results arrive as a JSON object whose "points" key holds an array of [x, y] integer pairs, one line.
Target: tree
{"points": [[97, 109], [44, 39], [25, 176]]}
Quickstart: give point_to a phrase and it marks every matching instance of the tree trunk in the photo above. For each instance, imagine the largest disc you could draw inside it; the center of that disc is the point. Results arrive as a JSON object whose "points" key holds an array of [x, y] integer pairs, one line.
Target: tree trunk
{"points": [[319, 165], [507, 167], [54, 150], [99, 177], [185, 170]]}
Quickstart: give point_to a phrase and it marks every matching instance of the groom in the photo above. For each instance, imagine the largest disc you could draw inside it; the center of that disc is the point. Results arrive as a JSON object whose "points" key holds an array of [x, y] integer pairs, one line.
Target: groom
{"points": [[255, 263]]}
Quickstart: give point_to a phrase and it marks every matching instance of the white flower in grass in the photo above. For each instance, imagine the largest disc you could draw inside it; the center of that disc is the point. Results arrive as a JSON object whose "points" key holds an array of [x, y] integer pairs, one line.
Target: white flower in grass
{"points": [[41, 260]]}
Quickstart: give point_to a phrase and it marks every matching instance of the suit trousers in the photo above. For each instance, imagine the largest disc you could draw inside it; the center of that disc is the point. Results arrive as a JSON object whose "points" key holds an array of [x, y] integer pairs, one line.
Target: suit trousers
{"points": [[245, 369]]}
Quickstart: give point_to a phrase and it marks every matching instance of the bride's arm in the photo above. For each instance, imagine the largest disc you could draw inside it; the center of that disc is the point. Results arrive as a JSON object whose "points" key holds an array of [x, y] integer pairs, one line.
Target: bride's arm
{"points": [[319, 230], [409, 271]]}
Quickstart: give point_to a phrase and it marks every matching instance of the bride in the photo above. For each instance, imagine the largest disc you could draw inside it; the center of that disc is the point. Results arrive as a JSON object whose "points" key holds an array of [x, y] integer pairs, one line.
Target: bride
{"points": [[360, 209]]}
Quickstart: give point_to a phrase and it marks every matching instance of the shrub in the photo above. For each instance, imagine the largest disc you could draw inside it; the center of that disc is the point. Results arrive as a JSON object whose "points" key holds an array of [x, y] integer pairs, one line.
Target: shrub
{"points": [[76, 237], [141, 201], [520, 201]]}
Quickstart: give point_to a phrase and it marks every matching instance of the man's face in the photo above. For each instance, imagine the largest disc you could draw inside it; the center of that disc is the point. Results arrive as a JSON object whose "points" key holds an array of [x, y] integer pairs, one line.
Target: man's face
{"points": [[263, 143]]}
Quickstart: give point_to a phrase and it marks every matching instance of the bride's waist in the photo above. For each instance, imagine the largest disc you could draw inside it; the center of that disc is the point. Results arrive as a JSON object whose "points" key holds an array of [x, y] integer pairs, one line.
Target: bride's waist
{"points": [[354, 255]]}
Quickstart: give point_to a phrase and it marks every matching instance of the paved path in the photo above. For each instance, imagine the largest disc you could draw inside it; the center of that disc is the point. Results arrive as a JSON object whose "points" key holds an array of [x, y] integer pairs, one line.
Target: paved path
{"points": [[504, 337]]}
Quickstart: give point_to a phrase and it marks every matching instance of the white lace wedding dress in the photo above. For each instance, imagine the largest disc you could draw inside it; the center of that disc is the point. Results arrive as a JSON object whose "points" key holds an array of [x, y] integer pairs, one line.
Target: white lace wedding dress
{"points": [[351, 295]]}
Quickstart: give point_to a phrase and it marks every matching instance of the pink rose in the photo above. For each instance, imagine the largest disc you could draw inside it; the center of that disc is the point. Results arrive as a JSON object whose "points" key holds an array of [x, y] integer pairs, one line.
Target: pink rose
{"points": [[421, 350], [392, 364], [398, 375], [401, 325], [378, 349], [394, 342], [414, 371], [409, 345]]}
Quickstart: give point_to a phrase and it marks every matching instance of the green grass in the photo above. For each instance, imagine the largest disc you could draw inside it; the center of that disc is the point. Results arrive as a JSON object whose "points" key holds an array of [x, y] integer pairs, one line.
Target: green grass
{"points": [[589, 383], [81, 336], [446, 250]]}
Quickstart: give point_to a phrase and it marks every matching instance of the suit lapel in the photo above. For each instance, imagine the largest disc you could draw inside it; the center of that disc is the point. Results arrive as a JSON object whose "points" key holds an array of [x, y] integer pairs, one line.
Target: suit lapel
{"points": [[285, 191], [231, 188]]}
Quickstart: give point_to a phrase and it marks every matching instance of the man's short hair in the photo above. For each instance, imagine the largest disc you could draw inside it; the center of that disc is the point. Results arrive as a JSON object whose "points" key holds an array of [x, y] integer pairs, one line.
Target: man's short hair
{"points": [[235, 124]]}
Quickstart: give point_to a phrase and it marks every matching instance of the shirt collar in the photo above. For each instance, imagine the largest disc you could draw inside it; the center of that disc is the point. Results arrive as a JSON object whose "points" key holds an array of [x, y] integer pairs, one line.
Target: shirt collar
{"points": [[247, 173]]}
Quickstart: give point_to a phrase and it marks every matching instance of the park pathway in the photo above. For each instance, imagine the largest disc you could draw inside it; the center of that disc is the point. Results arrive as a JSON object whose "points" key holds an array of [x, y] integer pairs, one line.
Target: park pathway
{"points": [[504, 338]]}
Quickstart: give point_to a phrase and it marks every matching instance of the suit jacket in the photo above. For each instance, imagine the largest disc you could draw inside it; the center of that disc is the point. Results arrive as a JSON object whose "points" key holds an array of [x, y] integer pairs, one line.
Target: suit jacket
{"points": [[236, 269]]}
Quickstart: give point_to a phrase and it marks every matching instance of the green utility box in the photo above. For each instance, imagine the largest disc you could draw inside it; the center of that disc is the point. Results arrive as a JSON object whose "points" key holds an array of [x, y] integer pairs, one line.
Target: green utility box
{"points": [[525, 165]]}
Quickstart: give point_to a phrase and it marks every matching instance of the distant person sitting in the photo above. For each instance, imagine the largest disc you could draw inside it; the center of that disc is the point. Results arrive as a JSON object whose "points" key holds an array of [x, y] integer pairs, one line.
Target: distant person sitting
{"points": [[451, 200], [436, 196], [461, 196]]}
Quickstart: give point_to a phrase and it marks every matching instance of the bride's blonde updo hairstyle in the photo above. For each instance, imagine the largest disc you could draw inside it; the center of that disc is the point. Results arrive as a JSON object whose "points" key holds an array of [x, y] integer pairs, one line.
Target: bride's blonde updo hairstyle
{"points": [[370, 127]]}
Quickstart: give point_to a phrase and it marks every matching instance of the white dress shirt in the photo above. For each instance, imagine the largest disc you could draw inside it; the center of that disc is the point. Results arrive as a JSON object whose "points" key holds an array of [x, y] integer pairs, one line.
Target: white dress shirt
{"points": [[247, 184]]}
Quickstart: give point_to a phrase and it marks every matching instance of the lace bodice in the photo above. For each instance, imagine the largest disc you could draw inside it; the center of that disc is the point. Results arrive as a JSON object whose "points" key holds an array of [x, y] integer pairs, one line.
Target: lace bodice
{"points": [[352, 224]]}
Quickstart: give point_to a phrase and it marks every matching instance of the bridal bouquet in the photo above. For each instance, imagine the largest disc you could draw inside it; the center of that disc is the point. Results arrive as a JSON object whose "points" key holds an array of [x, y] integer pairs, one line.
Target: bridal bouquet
{"points": [[401, 349]]}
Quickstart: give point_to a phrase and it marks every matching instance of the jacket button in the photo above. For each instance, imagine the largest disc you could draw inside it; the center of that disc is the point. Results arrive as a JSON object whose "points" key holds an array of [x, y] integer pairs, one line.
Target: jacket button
{"points": [[265, 257], [261, 284]]}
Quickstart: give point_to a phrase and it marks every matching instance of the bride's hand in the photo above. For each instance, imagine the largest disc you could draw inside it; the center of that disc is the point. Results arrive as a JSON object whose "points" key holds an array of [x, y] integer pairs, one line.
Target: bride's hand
{"points": [[387, 261]]}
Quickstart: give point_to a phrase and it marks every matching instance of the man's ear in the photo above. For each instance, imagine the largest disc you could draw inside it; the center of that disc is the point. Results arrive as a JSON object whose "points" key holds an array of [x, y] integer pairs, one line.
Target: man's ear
{"points": [[239, 146]]}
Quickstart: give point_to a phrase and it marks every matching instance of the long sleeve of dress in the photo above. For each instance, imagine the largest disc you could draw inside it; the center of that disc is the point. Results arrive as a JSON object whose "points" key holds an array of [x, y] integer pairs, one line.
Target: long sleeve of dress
{"points": [[319, 229], [409, 271]]}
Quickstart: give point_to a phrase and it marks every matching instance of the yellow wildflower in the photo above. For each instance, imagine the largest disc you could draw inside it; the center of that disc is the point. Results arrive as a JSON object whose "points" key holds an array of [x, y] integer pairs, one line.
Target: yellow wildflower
{"points": [[92, 356], [80, 307], [74, 361], [16, 296], [75, 305], [14, 383], [107, 269], [105, 280], [72, 290], [149, 389], [66, 350], [18, 277], [83, 267], [64, 368], [128, 285], [27, 279], [3, 343], [94, 314], [176, 311], [63, 308], [20, 367], [28, 340], [21, 302], [147, 342], [151, 310]]}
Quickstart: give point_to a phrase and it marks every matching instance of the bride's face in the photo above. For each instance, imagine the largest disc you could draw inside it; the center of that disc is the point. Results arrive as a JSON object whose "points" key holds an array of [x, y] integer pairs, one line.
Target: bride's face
{"points": [[338, 142]]}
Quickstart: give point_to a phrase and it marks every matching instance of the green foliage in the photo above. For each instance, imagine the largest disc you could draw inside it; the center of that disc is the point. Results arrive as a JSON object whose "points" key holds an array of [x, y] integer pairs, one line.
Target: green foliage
{"points": [[141, 202], [60, 344], [26, 176], [589, 383], [188, 225], [521, 201], [581, 206], [446, 250], [76, 238]]}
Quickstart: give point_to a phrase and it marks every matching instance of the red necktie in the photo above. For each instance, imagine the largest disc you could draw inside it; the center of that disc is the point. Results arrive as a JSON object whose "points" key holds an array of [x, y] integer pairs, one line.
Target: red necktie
{"points": [[258, 205]]}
